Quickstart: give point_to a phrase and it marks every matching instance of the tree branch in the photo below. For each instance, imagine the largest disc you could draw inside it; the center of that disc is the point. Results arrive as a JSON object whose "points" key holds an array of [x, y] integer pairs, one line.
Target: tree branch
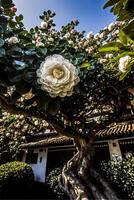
{"points": [[13, 109]]}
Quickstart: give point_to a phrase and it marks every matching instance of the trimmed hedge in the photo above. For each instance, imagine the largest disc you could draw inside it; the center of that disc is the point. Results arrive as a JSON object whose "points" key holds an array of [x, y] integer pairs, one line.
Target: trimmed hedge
{"points": [[15, 173], [52, 181], [121, 173]]}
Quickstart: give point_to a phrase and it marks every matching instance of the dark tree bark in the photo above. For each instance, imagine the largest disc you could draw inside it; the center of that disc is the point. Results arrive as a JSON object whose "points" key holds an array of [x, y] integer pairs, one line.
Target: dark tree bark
{"points": [[78, 178]]}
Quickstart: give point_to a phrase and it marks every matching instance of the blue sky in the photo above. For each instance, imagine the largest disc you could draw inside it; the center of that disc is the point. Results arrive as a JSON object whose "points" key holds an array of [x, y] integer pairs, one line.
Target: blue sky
{"points": [[90, 13]]}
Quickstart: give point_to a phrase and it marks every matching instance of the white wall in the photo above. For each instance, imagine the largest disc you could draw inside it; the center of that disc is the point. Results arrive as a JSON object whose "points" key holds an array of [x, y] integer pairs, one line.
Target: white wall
{"points": [[39, 169], [114, 149]]}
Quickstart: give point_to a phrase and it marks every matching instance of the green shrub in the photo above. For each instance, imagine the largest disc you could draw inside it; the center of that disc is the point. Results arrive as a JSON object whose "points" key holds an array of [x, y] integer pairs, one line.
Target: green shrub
{"points": [[52, 181], [121, 173], [15, 173]]}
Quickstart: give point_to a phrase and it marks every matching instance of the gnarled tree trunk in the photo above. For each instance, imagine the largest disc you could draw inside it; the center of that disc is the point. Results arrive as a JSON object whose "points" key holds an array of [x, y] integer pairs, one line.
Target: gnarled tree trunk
{"points": [[79, 180]]}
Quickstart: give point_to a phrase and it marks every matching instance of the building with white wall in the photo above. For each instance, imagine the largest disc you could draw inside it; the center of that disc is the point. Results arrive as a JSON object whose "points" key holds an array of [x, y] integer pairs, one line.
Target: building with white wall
{"points": [[46, 151]]}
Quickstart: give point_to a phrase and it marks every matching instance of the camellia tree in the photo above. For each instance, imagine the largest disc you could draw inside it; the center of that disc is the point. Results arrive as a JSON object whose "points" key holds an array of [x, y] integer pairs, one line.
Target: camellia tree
{"points": [[62, 77], [123, 47], [14, 131]]}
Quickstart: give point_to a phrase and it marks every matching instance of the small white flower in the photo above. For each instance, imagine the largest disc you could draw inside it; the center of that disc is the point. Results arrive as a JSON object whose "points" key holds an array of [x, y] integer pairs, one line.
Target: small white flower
{"points": [[96, 36], [57, 76], [36, 122], [116, 32], [102, 35], [111, 26], [90, 35], [81, 43], [70, 42], [119, 23], [13, 40], [76, 48], [23, 137], [85, 44], [67, 35], [102, 60], [7, 134], [73, 31], [90, 50], [44, 25], [39, 44], [108, 56], [50, 39], [123, 63]]}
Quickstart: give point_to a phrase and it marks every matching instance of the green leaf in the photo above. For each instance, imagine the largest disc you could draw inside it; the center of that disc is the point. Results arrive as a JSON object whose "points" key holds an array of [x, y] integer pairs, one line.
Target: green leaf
{"points": [[123, 38], [53, 107], [110, 3], [15, 52], [19, 65], [30, 52], [7, 3], [85, 65], [126, 53], [113, 46], [19, 18], [1, 42], [129, 29], [42, 51], [2, 52]]}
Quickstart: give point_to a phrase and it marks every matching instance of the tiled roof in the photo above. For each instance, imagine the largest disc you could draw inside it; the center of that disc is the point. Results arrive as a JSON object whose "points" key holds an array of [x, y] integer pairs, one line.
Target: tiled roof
{"points": [[118, 130], [48, 142], [113, 131]]}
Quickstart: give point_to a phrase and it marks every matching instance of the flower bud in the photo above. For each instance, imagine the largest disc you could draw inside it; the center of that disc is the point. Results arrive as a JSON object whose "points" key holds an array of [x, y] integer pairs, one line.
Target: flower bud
{"points": [[44, 25], [90, 35], [111, 26], [13, 40], [13, 9], [123, 63], [96, 36], [67, 35], [50, 39]]}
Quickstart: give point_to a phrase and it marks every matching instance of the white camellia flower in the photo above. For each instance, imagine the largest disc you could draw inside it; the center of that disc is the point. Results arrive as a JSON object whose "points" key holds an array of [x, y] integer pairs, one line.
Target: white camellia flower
{"points": [[50, 39], [108, 56], [102, 60], [44, 25], [67, 35], [70, 42], [90, 35], [7, 134], [57, 76], [96, 36], [102, 35], [111, 26], [123, 63], [39, 44], [13, 40]]}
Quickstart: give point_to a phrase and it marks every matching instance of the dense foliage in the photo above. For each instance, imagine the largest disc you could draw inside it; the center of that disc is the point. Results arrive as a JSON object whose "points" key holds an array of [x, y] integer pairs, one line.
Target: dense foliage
{"points": [[123, 47], [15, 174], [124, 10], [14, 131], [52, 181], [121, 172]]}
